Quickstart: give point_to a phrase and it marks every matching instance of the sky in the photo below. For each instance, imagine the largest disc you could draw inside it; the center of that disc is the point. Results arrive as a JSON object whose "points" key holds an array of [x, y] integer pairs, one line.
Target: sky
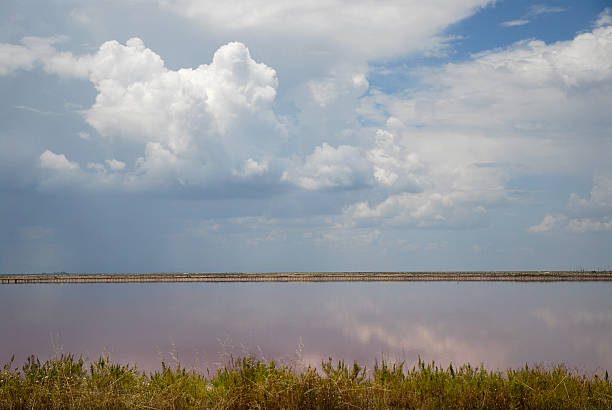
{"points": [[265, 135]]}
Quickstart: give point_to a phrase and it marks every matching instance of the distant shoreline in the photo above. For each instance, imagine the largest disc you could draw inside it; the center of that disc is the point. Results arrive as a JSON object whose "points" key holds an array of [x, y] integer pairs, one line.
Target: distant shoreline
{"points": [[497, 276]]}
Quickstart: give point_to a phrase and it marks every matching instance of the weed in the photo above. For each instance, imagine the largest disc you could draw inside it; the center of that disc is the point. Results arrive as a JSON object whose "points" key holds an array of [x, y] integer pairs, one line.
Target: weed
{"points": [[246, 382]]}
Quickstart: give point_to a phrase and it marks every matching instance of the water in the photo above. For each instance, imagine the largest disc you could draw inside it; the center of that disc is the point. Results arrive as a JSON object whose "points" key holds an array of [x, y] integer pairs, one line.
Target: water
{"points": [[497, 324]]}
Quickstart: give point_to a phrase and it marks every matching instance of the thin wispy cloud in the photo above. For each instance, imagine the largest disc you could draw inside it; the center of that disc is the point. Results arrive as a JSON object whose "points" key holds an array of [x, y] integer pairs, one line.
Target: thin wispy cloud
{"points": [[32, 109], [534, 11], [537, 9], [604, 18], [513, 23]]}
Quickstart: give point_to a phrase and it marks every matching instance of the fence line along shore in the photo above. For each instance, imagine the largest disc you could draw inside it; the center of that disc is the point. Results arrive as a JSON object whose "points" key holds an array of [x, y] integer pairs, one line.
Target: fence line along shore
{"points": [[500, 276]]}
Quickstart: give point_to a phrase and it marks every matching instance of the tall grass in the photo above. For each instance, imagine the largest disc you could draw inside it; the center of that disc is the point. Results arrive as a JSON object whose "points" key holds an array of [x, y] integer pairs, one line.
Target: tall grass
{"points": [[69, 382]]}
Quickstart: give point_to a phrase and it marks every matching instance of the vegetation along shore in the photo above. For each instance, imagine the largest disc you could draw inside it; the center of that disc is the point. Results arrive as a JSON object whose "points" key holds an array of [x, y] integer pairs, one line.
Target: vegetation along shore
{"points": [[68, 382], [515, 276]]}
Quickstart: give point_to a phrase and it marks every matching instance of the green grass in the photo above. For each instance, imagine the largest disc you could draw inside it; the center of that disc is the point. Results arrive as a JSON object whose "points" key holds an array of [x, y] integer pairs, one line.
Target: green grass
{"points": [[70, 382]]}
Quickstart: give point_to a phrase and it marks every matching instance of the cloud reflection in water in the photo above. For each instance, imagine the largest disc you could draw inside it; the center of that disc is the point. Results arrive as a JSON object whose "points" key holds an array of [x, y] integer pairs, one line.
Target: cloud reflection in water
{"points": [[497, 324]]}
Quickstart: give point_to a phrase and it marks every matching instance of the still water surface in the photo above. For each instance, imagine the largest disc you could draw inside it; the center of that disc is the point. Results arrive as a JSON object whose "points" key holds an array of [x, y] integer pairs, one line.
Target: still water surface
{"points": [[497, 324]]}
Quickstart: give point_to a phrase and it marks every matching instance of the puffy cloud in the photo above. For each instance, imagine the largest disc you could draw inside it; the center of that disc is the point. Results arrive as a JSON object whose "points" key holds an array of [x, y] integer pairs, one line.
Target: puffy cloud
{"points": [[422, 210], [548, 223], [328, 167], [583, 215], [252, 167], [13, 57], [60, 172], [157, 168], [393, 164], [600, 201], [575, 225], [57, 162], [431, 183], [386, 163], [443, 157], [529, 88], [515, 111], [125, 65], [115, 165], [197, 126], [41, 51], [367, 28], [140, 99]]}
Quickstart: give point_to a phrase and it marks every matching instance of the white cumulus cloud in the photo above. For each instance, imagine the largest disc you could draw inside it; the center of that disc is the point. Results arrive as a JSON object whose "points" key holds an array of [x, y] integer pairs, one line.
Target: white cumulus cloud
{"points": [[515, 111], [583, 215], [57, 162], [548, 223], [393, 164], [36, 51], [139, 98], [329, 167], [599, 201], [13, 57], [422, 210], [196, 125], [115, 165], [251, 168], [531, 87]]}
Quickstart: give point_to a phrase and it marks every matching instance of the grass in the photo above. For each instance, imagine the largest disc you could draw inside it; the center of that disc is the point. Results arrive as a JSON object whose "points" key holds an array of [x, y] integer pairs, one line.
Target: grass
{"points": [[70, 382]]}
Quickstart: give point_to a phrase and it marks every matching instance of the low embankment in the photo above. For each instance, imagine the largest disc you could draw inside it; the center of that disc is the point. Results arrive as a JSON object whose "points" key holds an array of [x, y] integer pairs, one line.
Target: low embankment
{"points": [[518, 276]]}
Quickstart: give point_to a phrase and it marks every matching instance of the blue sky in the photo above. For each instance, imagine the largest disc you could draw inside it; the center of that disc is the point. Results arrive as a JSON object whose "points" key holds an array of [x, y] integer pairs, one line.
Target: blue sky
{"points": [[183, 135]]}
